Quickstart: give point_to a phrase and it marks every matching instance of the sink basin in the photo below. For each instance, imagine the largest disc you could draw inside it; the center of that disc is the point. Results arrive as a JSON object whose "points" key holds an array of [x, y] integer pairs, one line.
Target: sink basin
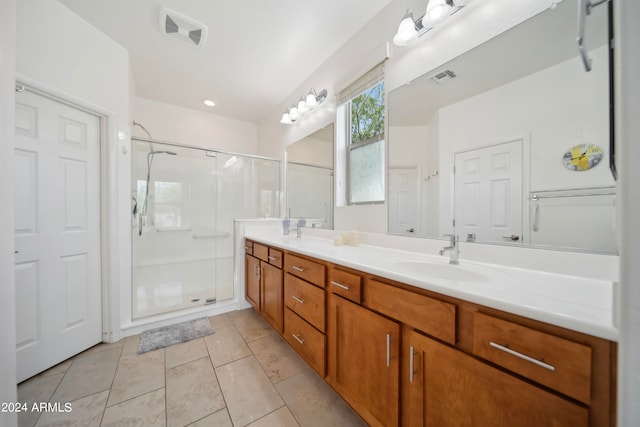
{"points": [[440, 271]]}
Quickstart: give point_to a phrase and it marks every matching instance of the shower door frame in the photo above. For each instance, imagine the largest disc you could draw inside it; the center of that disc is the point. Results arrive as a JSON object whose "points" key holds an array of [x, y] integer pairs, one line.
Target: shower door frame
{"points": [[162, 317]]}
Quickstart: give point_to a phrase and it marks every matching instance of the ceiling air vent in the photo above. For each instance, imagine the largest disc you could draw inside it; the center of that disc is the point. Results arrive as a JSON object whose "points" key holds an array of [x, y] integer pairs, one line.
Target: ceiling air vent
{"points": [[443, 77], [182, 27]]}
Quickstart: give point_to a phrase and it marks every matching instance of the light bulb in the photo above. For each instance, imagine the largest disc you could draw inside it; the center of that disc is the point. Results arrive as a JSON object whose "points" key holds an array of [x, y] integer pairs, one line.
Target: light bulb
{"points": [[311, 100], [437, 12], [286, 120], [302, 107], [407, 32], [293, 114]]}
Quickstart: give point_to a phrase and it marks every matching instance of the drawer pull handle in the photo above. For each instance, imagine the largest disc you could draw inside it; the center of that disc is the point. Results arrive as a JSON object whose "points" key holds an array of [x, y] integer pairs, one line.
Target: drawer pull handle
{"points": [[300, 340], [388, 350], [300, 300], [411, 372], [246, 248], [340, 285], [272, 258], [522, 356], [295, 267]]}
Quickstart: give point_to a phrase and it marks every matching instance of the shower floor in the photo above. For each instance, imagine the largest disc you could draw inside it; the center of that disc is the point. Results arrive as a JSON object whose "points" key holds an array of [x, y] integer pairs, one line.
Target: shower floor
{"points": [[170, 287]]}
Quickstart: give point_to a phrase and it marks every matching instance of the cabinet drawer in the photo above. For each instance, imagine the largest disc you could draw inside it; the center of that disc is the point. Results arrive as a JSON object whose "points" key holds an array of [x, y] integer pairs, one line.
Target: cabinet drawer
{"points": [[306, 269], [275, 257], [348, 285], [306, 340], [547, 359], [306, 300], [261, 251], [434, 317], [248, 247]]}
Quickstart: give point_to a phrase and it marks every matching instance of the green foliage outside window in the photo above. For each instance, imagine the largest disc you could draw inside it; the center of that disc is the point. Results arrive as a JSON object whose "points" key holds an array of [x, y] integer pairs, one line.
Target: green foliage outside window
{"points": [[367, 114]]}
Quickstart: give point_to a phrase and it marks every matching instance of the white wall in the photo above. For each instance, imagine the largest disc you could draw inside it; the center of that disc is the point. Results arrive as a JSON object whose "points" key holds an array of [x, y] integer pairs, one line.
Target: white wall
{"points": [[62, 54], [191, 127], [627, 63], [7, 290]]}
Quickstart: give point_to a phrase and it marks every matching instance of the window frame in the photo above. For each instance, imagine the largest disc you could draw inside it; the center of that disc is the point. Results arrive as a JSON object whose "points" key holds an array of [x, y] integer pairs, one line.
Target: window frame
{"points": [[378, 138]]}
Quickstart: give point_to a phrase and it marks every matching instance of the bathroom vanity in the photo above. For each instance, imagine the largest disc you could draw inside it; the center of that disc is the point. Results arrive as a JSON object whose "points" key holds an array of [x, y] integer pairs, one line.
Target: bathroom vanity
{"points": [[407, 339]]}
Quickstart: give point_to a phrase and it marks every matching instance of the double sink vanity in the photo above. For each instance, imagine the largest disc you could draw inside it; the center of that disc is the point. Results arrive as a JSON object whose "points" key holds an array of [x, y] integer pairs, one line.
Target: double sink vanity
{"points": [[409, 339]]}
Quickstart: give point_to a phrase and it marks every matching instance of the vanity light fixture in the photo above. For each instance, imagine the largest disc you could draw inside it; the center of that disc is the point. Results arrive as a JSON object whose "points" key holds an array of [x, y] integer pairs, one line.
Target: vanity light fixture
{"points": [[437, 11], [305, 105]]}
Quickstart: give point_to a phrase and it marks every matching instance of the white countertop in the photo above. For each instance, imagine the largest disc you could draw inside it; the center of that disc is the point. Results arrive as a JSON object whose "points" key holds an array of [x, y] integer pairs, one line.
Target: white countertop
{"points": [[578, 303]]}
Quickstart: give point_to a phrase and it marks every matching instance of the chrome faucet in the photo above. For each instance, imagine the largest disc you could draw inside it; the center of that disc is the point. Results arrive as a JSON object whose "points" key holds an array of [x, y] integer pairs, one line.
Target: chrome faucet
{"points": [[299, 230], [454, 250]]}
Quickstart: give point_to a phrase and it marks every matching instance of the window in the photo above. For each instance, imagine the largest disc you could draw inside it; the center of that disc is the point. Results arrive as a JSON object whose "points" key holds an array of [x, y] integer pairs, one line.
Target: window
{"points": [[362, 108]]}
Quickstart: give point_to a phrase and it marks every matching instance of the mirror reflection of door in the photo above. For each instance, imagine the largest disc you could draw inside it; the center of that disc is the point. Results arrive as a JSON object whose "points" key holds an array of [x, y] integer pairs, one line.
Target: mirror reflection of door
{"points": [[403, 201], [488, 193]]}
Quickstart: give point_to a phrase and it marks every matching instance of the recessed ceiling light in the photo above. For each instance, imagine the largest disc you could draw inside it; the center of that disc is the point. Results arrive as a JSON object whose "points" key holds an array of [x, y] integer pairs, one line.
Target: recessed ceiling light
{"points": [[208, 103]]}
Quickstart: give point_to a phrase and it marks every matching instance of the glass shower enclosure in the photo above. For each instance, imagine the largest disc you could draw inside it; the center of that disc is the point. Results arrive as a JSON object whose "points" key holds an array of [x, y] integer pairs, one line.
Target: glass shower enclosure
{"points": [[184, 201]]}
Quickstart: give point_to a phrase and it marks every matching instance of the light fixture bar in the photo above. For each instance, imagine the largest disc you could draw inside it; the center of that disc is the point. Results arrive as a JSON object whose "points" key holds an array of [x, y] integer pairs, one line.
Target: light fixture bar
{"points": [[303, 106], [411, 29]]}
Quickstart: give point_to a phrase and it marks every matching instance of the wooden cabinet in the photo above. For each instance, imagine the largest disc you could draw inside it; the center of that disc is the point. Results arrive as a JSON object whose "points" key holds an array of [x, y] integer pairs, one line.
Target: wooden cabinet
{"points": [[271, 293], [555, 362], [264, 283], [401, 355], [364, 365], [446, 387], [252, 280], [304, 299]]}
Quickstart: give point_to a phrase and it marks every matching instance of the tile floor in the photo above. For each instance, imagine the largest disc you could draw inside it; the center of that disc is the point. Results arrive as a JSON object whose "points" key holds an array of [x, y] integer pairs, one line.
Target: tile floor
{"points": [[243, 374]]}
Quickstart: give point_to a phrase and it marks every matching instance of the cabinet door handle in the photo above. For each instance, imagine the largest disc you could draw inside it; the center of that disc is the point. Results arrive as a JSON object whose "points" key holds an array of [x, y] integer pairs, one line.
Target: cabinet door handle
{"points": [[522, 356], [340, 285], [258, 272], [300, 300], [300, 340], [272, 258], [246, 248], [388, 350], [295, 267], [411, 364]]}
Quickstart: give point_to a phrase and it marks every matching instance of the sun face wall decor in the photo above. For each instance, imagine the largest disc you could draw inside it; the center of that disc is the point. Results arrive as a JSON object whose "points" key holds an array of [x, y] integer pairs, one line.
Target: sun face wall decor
{"points": [[582, 157]]}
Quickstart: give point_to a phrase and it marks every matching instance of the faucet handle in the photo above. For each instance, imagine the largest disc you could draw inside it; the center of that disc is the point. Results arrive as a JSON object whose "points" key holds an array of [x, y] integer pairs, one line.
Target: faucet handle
{"points": [[452, 237]]}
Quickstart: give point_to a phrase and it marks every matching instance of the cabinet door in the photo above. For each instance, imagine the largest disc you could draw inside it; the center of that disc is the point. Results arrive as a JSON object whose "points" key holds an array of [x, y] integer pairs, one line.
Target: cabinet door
{"points": [[252, 280], [450, 388], [272, 294], [363, 360]]}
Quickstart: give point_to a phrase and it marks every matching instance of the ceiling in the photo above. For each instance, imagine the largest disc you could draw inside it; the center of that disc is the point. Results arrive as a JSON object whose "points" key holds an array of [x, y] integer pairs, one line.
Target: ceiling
{"points": [[256, 53]]}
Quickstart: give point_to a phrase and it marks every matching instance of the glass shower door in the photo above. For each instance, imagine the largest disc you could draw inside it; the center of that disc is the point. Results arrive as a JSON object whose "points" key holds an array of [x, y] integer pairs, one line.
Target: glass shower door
{"points": [[247, 187], [173, 228]]}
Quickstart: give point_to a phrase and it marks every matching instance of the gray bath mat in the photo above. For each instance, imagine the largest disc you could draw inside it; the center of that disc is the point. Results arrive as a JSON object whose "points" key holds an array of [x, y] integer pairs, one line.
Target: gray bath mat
{"points": [[174, 334]]}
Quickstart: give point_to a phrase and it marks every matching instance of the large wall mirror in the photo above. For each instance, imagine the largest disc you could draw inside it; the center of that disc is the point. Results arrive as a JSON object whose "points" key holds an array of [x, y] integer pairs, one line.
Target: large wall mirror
{"points": [[310, 178], [509, 142]]}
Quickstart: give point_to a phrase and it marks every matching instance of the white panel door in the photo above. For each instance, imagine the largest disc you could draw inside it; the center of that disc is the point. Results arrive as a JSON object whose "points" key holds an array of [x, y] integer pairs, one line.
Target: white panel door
{"points": [[403, 201], [57, 232], [488, 193]]}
